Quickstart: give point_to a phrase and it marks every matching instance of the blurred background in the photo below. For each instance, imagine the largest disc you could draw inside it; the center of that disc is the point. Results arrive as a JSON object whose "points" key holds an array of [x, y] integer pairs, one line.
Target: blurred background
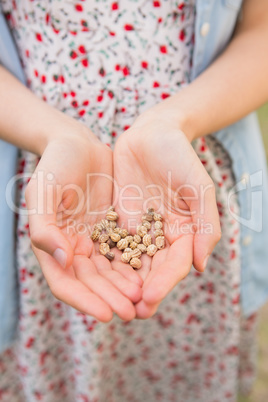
{"points": [[260, 390]]}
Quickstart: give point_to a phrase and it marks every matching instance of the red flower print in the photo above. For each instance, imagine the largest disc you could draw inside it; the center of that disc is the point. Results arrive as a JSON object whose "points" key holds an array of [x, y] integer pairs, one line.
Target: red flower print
{"points": [[210, 288], [27, 53], [129, 360], [78, 7], [47, 18], [55, 77], [192, 318], [43, 79], [102, 72], [110, 94], [73, 94], [151, 376], [86, 103], [126, 128], [73, 54], [232, 350], [185, 298], [156, 3], [160, 20], [100, 115], [74, 104], [23, 273], [125, 71], [236, 300], [112, 33], [128, 27], [114, 6], [36, 73], [82, 112], [65, 326], [38, 395], [33, 313], [181, 6], [82, 49], [83, 397], [85, 62], [144, 64], [38, 37], [164, 95], [117, 67], [42, 358], [123, 109], [30, 342], [62, 79], [156, 84], [113, 134], [83, 23], [99, 98], [182, 35], [163, 49], [172, 364]]}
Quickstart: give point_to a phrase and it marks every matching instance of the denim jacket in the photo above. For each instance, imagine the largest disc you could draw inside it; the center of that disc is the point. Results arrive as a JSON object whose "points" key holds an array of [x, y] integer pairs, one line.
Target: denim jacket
{"points": [[214, 26]]}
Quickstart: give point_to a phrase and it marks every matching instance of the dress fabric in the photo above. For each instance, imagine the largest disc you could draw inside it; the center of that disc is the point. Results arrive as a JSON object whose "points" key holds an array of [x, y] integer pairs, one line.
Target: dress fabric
{"points": [[104, 63]]}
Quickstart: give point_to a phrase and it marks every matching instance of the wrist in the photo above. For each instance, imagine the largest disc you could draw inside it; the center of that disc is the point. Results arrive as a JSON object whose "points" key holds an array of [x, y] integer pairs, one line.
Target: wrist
{"points": [[170, 114], [61, 127]]}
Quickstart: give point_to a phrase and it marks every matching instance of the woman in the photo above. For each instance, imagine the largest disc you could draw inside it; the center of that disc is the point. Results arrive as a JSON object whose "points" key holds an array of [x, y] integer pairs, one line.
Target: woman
{"points": [[108, 66]]}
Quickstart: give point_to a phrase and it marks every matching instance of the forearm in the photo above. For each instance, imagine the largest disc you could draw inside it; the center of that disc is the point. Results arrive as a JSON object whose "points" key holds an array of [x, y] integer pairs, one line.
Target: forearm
{"points": [[233, 86], [28, 122]]}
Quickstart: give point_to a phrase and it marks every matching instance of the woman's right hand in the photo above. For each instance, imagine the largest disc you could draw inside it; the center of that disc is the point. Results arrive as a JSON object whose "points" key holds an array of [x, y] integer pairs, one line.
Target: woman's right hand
{"points": [[70, 188]]}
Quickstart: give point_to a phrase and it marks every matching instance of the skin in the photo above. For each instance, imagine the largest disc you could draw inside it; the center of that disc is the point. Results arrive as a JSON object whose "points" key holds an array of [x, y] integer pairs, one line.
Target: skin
{"points": [[84, 279]]}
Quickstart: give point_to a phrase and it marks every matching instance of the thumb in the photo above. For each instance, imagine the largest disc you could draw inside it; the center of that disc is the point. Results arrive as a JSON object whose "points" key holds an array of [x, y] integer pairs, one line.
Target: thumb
{"points": [[44, 232]]}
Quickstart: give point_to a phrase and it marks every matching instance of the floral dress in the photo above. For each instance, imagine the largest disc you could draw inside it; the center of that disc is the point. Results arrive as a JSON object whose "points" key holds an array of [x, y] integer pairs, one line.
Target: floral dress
{"points": [[104, 62]]}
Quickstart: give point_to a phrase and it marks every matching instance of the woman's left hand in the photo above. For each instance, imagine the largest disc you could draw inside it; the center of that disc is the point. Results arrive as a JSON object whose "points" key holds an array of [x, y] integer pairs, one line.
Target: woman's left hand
{"points": [[156, 166]]}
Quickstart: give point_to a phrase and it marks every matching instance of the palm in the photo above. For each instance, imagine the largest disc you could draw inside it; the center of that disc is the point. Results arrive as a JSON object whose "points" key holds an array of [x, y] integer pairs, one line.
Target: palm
{"points": [[159, 163], [82, 192]]}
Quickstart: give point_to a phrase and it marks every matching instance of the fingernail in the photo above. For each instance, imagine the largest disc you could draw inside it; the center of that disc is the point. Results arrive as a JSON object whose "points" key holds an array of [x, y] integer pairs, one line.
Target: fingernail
{"points": [[60, 256], [206, 261]]}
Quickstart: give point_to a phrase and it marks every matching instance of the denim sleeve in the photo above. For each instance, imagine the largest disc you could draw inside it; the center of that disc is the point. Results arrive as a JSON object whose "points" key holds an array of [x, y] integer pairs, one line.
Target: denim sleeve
{"points": [[8, 160]]}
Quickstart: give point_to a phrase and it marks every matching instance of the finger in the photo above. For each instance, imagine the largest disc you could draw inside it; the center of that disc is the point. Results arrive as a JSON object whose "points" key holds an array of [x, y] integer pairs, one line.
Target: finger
{"points": [[163, 277], [146, 262], [144, 311], [65, 287], [206, 217], [87, 273], [128, 272], [129, 289], [45, 234], [117, 265], [124, 269]]}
